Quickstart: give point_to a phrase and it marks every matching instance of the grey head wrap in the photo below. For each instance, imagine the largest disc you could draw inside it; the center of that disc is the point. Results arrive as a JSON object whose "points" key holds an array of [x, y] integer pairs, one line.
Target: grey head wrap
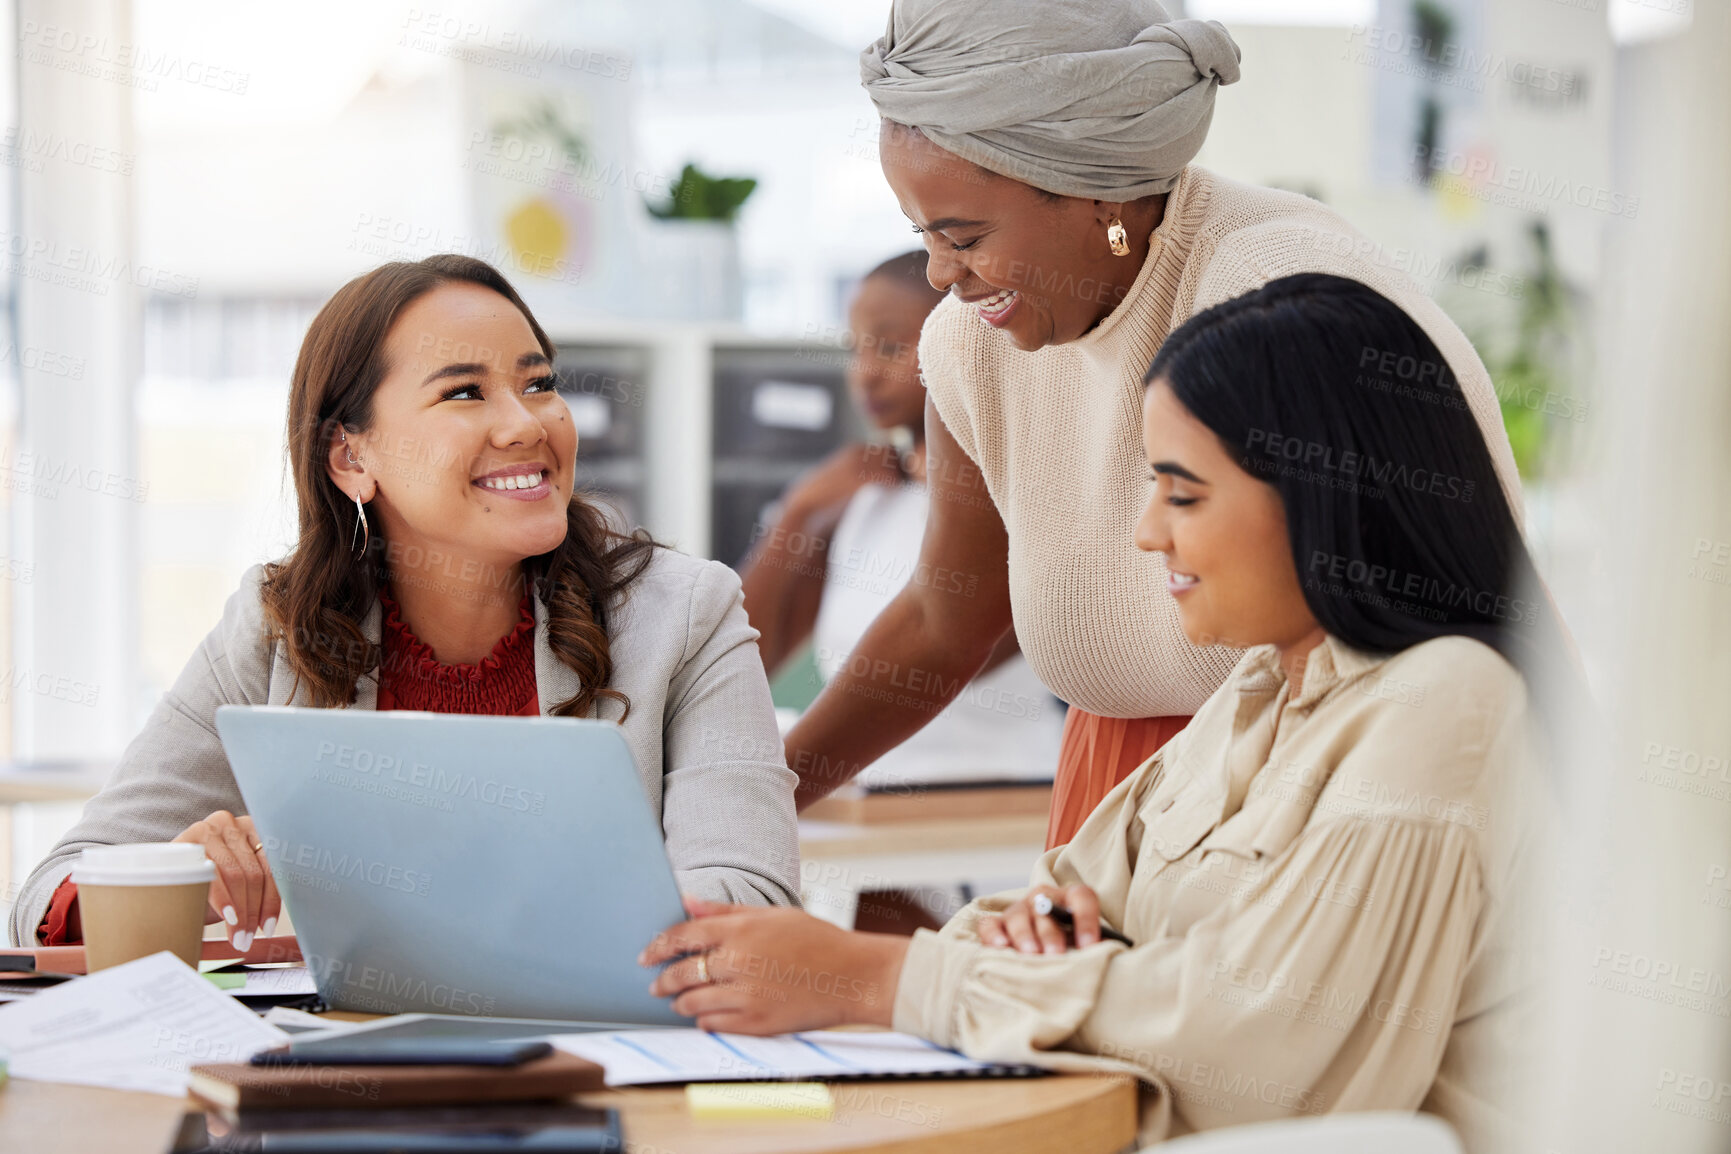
{"points": [[1105, 99]]}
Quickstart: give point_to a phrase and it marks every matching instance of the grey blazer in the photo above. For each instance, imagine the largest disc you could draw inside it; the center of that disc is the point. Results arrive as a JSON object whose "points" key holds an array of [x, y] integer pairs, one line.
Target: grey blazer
{"points": [[702, 730]]}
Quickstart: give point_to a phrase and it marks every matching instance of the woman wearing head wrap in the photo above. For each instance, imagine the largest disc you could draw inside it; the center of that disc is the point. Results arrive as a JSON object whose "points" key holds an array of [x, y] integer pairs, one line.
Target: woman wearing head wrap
{"points": [[1043, 150]]}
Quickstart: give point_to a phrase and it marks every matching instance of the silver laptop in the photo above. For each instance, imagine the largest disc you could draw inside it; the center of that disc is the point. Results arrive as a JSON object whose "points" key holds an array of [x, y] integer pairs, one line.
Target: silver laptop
{"points": [[457, 864]]}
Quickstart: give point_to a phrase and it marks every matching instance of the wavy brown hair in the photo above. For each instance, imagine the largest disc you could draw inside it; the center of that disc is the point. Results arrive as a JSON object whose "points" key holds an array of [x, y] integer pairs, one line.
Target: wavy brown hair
{"points": [[316, 598]]}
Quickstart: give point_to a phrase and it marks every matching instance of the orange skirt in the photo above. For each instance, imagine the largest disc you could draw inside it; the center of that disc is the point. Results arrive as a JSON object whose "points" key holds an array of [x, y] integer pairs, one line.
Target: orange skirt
{"points": [[1097, 753]]}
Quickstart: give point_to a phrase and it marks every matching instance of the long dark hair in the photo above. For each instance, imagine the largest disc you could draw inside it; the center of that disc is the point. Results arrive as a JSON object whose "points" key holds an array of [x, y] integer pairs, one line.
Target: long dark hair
{"points": [[317, 596], [1399, 527]]}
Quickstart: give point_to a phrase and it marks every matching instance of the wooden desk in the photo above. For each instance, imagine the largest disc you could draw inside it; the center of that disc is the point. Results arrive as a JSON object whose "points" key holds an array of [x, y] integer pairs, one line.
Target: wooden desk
{"points": [[841, 859], [1075, 1113]]}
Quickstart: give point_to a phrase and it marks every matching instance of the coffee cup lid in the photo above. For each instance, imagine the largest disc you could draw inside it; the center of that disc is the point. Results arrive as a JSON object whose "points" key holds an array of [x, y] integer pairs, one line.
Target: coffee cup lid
{"points": [[153, 864]]}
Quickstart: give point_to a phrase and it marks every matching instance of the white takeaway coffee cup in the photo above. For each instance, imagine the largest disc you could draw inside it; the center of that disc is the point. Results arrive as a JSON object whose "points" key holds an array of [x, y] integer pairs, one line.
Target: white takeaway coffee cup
{"points": [[136, 900]]}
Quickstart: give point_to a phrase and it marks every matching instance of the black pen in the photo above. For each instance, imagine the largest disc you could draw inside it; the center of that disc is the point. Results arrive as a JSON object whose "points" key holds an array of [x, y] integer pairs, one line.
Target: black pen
{"points": [[1046, 907]]}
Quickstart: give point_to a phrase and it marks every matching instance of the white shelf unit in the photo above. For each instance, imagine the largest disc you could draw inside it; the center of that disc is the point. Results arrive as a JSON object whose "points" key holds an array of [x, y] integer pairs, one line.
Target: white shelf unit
{"points": [[669, 380]]}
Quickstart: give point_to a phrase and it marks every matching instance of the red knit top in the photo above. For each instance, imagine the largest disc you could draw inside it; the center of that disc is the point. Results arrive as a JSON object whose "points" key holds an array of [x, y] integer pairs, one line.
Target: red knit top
{"points": [[503, 682], [410, 677]]}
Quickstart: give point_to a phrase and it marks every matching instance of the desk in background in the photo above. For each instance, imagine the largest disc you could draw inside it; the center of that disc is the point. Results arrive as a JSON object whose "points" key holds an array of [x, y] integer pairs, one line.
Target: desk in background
{"points": [[33, 783], [933, 837], [27, 782]]}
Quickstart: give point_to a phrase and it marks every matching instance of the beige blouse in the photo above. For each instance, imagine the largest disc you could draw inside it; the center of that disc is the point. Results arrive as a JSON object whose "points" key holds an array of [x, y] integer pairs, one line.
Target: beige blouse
{"points": [[1322, 892], [1057, 434]]}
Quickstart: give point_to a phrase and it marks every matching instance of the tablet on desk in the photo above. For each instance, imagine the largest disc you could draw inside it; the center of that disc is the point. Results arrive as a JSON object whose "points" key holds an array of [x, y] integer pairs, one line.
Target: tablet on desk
{"points": [[460, 865]]}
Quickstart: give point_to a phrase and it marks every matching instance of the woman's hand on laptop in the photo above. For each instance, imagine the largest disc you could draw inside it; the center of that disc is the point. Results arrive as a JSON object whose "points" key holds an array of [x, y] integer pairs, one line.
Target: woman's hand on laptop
{"points": [[750, 970], [243, 894]]}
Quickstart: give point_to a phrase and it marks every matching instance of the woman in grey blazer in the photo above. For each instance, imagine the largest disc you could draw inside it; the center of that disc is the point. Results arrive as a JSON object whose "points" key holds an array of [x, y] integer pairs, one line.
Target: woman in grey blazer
{"points": [[434, 465]]}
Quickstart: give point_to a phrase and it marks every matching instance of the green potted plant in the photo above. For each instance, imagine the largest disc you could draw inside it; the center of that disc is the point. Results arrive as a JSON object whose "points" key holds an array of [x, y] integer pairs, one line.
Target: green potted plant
{"points": [[698, 196], [693, 249]]}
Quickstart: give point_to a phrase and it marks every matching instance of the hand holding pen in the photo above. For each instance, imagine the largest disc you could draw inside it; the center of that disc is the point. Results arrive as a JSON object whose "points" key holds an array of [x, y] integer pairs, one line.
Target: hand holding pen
{"points": [[1047, 920]]}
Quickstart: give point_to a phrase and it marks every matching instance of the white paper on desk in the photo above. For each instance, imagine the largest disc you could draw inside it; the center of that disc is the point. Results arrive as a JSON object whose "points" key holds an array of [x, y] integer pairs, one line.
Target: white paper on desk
{"points": [[644, 1057], [300, 1022], [280, 980], [132, 1027]]}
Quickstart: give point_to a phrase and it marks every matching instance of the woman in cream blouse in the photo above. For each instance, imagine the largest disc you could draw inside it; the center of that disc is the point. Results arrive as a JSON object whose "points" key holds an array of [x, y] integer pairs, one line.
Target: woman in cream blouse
{"points": [[1324, 874], [1042, 149]]}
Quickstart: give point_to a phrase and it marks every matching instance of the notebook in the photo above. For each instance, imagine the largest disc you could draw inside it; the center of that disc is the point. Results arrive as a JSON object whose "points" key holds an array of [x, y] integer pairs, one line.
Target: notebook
{"points": [[648, 1057], [237, 1086]]}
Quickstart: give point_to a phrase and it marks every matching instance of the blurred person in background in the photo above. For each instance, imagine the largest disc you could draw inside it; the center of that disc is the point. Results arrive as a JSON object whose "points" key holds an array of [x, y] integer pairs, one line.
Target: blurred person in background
{"points": [[1043, 150], [846, 539]]}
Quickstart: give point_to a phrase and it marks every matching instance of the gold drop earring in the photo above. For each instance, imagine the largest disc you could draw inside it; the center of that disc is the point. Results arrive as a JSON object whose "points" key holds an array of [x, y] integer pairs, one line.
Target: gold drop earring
{"points": [[1117, 238], [360, 512]]}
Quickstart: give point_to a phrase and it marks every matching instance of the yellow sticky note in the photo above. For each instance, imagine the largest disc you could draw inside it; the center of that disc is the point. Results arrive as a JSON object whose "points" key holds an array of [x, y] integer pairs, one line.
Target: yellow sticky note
{"points": [[709, 1101]]}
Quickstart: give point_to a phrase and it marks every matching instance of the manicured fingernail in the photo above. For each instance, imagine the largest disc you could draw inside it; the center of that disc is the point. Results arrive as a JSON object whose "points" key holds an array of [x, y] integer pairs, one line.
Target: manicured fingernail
{"points": [[242, 941], [269, 928], [229, 916]]}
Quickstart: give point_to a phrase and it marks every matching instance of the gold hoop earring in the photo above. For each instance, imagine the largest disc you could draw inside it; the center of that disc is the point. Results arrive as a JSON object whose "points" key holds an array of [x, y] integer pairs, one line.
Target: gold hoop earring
{"points": [[1117, 238], [360, 524]]}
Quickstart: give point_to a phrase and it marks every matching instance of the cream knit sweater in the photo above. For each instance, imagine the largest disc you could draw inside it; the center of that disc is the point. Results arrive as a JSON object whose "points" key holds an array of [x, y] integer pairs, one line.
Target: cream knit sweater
{"points": [[1057, 434]]}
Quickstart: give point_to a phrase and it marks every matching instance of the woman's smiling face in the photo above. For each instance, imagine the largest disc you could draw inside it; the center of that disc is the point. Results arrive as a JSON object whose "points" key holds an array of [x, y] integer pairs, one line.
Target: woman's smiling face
{"points": [[471, 452], [1037, 267], [1222, 531]]}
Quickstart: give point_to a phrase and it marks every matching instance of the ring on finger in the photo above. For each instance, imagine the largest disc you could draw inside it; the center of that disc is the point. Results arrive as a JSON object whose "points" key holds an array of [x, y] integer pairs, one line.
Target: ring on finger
{"points": [[703, 969]]}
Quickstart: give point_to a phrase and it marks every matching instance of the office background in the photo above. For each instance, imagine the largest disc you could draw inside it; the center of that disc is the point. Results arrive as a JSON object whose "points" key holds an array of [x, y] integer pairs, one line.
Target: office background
{"points": [[185, 182]]}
